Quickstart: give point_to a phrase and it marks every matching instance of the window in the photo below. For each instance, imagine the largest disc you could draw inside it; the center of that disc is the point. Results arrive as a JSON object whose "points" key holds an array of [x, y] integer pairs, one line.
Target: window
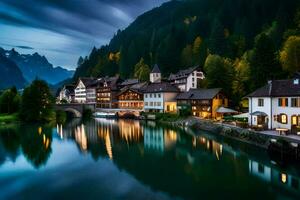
{"points": [[282, 118], [151, 103], [294, 120], [146, 103], [295, 102], [193, 85], [159, 95], [261, 102], [154, 95], [150, 95], [283, 102], [146, 95], [158, 104]]}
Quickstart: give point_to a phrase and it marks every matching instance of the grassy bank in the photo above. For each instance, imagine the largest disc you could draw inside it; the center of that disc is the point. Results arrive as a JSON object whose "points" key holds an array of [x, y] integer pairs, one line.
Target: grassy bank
{"points": [[8, 118]]}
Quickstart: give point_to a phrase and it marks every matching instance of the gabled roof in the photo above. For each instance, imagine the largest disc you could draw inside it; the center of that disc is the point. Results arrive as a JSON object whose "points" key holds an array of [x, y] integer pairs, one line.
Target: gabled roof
{"points": [[183, 73], [138, 88], [129, 82], [111, 82], [88, 82], [199, 94], [155, 69], [278, 88], [160, 87]]}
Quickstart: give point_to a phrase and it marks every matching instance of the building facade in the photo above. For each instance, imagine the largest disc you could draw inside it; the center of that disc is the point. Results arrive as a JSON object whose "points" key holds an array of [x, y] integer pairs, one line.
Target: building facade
{"points": [[85, 90], [202, 103], [107, 91], [187, 79], [67, 94], [159, 96], [276, 105], [131, 99]]}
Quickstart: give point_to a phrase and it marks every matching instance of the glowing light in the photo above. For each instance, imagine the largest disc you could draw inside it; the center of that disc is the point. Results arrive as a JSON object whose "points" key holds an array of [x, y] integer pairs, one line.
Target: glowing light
{"points": [[283, 178]]}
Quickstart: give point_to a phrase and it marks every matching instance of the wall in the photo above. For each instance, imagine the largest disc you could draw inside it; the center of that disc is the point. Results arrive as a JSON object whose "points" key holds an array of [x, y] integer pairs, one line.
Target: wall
{"points": [[253, 107], [289, 111], [154, 97], [80, 93]]}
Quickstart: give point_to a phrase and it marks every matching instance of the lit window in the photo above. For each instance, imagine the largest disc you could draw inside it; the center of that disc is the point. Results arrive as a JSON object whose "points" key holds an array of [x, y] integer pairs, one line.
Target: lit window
{"points": [[283, 119], [283, 178], [283, 102], [295, 102], [294, 120]]}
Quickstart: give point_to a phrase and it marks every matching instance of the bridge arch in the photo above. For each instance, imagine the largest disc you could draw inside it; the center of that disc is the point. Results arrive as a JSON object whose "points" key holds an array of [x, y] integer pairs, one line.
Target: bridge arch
{"points": [[75, 112]]}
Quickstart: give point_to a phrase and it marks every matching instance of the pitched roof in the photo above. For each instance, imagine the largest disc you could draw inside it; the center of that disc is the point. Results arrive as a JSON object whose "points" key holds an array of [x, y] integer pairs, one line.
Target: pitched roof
{"points": [[88, 82], [129, 82], [111, 82], [155, 69], [160, 87], [199, 94], [182, 73], [278, 88], [138, 88]]}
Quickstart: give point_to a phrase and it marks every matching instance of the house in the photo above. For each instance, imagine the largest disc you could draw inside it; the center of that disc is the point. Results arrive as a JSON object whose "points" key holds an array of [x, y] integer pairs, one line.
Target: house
{"points": [[107, 91], [187, 79], [276, 105], [131, 97], [202, 102], [85, 90], [67, 94], [159, 96]]}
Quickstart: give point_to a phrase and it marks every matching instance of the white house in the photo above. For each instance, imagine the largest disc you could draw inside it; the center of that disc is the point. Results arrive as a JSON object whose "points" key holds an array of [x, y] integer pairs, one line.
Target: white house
{"points": [[159, 96], [67, 94], [85, 90], [276, 105], [187, 79]]}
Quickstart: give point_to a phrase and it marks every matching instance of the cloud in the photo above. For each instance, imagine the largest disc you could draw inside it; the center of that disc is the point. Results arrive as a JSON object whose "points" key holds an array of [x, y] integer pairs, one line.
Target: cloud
{"points": [[24, 47], [86, 23]]}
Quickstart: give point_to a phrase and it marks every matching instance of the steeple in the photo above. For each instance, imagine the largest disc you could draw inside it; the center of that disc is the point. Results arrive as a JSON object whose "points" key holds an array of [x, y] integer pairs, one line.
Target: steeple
{"points": [[155, 75]]}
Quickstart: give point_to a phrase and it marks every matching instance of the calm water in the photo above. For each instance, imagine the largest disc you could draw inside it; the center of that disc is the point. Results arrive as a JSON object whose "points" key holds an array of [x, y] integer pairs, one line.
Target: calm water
{"points": [[107, 159]]}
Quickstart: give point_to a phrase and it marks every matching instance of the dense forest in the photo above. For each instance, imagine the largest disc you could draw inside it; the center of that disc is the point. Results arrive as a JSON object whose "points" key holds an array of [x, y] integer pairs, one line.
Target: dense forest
{"points": [[240, 44]]}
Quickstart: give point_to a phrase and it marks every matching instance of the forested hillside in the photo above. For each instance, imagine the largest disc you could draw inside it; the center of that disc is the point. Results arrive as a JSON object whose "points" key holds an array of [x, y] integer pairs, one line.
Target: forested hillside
{"points": [[239, 43]]}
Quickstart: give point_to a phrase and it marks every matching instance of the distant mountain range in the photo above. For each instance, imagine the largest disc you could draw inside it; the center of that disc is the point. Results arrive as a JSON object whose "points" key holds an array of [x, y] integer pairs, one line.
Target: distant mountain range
{"points": [[10, 74], [31, 66]]}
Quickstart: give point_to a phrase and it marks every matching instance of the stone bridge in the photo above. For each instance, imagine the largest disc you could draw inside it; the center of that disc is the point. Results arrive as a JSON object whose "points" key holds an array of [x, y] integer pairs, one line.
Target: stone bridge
{"points": [[75, 109]]}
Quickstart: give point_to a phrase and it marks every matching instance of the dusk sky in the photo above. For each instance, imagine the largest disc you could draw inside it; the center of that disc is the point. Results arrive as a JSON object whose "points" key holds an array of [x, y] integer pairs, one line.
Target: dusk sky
{"points": [[63, 30]]}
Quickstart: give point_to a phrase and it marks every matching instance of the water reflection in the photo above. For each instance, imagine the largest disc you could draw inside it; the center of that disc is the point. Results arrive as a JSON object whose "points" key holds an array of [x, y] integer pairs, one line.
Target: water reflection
{"points": [[166, 159]]}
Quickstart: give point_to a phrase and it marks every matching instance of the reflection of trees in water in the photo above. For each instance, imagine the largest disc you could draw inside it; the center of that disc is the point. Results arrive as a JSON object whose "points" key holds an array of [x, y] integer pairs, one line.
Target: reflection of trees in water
{"points": [[36, 144], [10, 143], [34, 141]]}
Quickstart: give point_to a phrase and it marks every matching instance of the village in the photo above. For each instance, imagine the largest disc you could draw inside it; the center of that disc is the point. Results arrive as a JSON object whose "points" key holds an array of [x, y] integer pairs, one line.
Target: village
{"points": [[272, 109]]}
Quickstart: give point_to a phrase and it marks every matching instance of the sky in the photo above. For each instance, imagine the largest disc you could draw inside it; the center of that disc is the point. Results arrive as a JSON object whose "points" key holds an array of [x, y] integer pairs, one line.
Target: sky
{"points": [[63, 30]]}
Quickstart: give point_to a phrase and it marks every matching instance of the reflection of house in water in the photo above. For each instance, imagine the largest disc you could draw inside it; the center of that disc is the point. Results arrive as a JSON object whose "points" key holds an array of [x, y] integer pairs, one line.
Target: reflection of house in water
{"points": [[159, 139], [210, 145], [130, 131], [276, 178], [81, 138]]}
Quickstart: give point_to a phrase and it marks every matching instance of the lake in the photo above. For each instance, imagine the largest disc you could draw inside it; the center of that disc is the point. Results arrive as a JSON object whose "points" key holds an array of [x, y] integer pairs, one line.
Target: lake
{"points": [[127, 159]]}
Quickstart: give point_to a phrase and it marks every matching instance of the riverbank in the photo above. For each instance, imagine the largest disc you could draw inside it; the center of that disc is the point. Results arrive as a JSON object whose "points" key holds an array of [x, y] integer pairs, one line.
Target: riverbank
{"points": [[240, 134]]}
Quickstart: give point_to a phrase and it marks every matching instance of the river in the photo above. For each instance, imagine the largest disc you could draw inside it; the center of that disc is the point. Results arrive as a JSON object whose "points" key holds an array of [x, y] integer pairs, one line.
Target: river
{"points": [[127, 159]]}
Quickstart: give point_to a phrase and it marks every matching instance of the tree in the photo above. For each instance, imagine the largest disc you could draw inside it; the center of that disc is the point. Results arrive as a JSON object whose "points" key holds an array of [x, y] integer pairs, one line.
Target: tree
{"points": [[141, 70], [80, 61], [37, 102], [263, 61], [9, 101], [219, 73], [241, 78], [196, 50], [290, 55], [186, 56]]}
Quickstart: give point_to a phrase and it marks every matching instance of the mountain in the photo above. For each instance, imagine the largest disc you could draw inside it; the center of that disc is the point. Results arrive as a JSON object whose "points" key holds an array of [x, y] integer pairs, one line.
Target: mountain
{"points": [[37, 66], [182, 33], [10, 74]]}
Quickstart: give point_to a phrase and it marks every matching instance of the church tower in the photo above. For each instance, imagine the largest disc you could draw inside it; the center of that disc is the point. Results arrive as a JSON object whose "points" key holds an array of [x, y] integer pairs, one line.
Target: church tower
{"points": [[155, 75]]}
